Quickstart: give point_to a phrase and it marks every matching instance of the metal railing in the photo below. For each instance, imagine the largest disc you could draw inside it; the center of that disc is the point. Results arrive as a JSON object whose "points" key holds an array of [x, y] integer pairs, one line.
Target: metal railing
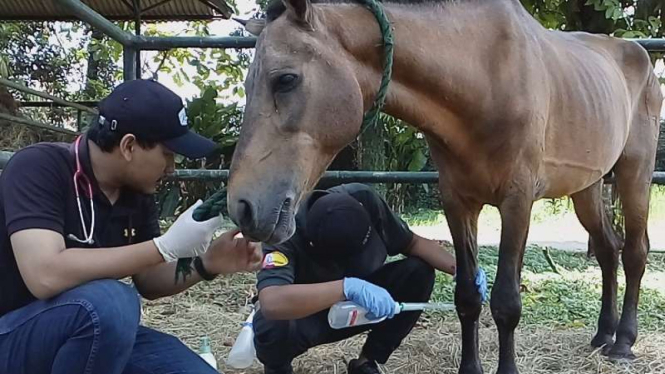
{"points": [[53, 99]]}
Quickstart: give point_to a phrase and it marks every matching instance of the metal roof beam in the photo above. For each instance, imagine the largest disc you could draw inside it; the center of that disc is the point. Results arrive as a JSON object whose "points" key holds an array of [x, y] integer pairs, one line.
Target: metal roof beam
{"points": [[86, 14]]}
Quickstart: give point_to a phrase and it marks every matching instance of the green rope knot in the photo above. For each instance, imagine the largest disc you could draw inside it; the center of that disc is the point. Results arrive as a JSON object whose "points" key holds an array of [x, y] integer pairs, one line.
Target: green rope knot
{"points": [[211, 208]]}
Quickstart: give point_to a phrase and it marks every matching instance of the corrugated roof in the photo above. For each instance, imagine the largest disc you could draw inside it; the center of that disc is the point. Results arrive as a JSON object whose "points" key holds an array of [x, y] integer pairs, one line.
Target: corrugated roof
{"points": [[117, 9]]}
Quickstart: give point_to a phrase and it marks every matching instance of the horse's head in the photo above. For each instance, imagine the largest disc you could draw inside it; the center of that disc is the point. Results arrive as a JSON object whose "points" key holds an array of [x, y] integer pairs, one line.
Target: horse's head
{"points": [[304, 105]]}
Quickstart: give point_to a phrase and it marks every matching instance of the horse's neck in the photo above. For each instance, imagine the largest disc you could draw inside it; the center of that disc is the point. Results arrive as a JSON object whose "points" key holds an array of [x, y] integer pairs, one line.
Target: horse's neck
{"points": [[441, 60]]}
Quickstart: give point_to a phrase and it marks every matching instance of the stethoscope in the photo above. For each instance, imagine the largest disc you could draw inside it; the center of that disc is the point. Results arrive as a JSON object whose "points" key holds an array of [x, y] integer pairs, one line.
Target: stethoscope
{"points": [[79, 176]]}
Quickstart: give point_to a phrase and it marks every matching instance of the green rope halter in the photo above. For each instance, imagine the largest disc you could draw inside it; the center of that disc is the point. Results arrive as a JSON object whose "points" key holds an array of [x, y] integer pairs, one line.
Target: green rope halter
{"points": [[372, 115], [216, 204]]}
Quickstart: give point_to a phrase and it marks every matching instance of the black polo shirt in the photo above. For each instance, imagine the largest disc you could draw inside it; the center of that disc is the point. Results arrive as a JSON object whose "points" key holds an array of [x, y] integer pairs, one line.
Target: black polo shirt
{"points": [[37, 192], [292, 262]]}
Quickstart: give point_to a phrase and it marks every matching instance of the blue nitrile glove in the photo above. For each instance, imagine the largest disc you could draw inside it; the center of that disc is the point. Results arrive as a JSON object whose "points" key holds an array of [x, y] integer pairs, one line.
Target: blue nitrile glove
{"points": [[481, 284], [375, 299]]}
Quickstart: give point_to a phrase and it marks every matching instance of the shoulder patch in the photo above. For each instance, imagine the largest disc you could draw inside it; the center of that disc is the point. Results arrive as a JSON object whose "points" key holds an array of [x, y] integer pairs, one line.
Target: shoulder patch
{"points": [[274, 260]]}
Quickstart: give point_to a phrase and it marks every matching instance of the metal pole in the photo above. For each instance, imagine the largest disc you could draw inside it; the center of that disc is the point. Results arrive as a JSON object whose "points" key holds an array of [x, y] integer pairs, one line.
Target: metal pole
{"points": [[137, 27], [4, 158], [159, 43], [651, 45], [128, 63], [341, 176], [58, 100], [353, 176], [94, 19], [29, 122], [78, 120]]}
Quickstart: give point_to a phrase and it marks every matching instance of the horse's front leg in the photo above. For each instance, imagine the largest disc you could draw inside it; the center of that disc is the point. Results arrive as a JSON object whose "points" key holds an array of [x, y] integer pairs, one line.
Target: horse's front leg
{"points": [[505, 302], [462, 217]]}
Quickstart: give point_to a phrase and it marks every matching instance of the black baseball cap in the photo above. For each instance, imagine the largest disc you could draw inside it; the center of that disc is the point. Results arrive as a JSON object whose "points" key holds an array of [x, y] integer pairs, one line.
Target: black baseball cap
{"points": [[152, 112], [339, 226]]}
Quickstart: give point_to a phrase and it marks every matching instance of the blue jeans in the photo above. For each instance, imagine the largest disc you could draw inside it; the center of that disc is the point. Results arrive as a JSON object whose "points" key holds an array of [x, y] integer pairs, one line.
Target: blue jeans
{"points": [[91, 329]]}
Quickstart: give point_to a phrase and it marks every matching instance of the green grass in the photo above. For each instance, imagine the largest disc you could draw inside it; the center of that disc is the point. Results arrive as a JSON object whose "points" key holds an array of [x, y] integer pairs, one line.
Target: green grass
{"points": [[657, 203], [543, 210], [571, 299]]}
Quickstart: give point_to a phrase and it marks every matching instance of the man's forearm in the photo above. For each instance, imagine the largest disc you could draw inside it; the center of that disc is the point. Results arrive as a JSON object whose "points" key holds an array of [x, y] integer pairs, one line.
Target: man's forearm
{"points": [[432, 253], [75, 266], [159, 281], [296, 301]]}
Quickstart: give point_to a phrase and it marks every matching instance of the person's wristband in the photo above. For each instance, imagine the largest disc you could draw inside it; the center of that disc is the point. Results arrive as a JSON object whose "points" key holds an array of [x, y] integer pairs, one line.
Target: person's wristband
{"points": [[198, 265]]}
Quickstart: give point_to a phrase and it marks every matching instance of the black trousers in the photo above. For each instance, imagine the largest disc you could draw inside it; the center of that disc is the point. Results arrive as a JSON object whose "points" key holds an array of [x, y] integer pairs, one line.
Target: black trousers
{"points": [[278, 342]]}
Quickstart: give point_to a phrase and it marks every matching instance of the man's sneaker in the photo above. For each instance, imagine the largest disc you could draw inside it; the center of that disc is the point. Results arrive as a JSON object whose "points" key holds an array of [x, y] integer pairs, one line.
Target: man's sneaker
{"points": [[283, 370], [368, 367]]}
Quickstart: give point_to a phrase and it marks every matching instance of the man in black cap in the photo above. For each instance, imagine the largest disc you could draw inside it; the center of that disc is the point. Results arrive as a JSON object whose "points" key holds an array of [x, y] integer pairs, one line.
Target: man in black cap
{"points": [[74, 218], [338, 252]]}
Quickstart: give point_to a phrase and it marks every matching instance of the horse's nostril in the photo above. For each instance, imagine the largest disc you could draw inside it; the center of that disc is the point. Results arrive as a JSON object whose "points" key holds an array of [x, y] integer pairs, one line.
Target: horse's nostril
{"points": [[245, 213]]}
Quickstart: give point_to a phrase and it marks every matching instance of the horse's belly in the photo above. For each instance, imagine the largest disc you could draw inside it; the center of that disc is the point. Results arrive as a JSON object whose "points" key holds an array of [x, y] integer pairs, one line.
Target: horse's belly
{"points": [[587, 128], [584, 155]]}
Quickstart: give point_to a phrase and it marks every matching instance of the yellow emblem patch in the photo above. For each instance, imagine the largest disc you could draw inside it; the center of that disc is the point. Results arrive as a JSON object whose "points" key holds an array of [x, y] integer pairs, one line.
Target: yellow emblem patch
{"points": [[274, 260]]}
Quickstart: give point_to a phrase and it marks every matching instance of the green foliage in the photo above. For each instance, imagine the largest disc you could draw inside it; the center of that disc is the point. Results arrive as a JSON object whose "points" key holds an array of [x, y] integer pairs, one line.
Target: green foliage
{"points": [[51, 57], [571, 299], [215, 120], [406, 150], [224, 64]]}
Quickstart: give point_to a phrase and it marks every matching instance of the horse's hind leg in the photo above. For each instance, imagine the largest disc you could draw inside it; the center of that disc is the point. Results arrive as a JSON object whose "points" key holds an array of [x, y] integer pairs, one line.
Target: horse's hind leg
{"points": [[605, 244], [634, 171]]}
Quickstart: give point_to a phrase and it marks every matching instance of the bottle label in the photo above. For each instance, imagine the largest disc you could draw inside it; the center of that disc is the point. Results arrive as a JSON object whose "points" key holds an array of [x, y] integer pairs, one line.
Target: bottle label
{"points": [[353, 318]]}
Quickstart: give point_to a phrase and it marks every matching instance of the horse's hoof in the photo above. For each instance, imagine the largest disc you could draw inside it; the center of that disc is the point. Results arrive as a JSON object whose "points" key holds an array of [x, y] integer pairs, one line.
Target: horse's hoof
{"points": [[605, 341], [509, 370], [621, 353], [471, 369], [605, 351]]}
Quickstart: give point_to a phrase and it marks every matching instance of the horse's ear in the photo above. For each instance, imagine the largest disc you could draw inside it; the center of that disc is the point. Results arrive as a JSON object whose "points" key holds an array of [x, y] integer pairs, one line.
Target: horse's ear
{"points": [[253, 26], [302, 9]]}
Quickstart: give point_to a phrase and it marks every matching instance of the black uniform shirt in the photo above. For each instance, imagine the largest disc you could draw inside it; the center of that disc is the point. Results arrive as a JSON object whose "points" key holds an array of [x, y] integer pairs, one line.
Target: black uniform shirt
{"points": [[37, 192], [292, 262]]}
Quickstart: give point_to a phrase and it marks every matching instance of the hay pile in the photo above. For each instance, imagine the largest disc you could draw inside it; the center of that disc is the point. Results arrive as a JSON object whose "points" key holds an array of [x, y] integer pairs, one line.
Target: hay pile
{"points": [[16, 136], [217, 309]]}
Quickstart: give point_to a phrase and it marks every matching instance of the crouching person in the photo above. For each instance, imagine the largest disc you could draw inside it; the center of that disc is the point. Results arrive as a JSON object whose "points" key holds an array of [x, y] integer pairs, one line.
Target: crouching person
{"points": [[338, 252]]}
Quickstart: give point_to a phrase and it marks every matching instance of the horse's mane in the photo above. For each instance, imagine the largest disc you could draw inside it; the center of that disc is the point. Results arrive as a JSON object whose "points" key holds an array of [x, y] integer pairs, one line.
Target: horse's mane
{"points": [[276, 7]]}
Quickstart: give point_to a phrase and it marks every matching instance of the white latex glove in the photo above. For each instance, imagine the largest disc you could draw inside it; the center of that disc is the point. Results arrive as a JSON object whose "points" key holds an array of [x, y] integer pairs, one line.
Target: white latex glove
{"points": [[187, 237]]}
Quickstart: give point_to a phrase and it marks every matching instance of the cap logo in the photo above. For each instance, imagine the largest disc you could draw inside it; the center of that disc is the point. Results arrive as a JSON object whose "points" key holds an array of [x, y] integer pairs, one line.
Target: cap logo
{"points": [[182, 115], [369, 231]]}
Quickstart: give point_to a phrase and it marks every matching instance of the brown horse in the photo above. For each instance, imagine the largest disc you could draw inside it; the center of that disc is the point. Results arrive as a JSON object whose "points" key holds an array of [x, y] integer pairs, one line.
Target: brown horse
{"points": [[512, 113]]}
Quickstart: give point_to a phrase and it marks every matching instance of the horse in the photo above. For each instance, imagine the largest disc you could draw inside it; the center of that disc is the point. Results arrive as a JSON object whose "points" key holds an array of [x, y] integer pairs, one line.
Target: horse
{"points": [[512, 113]]}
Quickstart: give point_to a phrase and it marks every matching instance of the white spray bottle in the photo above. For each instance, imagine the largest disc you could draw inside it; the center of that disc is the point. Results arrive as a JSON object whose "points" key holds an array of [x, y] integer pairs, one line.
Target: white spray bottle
{"points": [[243, 353], [348, 314], [206, 352]]}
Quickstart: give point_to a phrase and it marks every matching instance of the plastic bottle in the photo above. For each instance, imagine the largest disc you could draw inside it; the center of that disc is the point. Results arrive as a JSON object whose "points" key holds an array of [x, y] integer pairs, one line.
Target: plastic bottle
{"points": [[206, 352], [243, 353], [348, 314]]}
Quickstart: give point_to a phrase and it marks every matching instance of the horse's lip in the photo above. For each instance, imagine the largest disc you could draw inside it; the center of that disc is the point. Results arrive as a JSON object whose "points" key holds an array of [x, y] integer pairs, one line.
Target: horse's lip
{"points": [[282, 217]]}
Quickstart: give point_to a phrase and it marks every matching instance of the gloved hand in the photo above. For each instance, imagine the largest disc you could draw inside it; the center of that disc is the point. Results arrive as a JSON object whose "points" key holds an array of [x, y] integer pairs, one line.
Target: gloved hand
{"points": [[187, 237], [481, 284], [375, 299]]}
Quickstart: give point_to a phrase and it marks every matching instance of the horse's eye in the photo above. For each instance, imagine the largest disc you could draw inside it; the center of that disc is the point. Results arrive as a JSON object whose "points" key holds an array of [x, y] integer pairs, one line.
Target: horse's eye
{"points": [[285, 82]]}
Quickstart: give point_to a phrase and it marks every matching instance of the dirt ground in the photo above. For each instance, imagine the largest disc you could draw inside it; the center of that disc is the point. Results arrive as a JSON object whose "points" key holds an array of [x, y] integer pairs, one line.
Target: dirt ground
{"points": [[218, 308]]}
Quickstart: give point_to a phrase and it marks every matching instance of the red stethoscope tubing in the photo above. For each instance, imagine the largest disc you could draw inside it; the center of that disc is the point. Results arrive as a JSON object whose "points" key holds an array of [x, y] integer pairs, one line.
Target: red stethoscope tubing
{"points": [[79, 176]]}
